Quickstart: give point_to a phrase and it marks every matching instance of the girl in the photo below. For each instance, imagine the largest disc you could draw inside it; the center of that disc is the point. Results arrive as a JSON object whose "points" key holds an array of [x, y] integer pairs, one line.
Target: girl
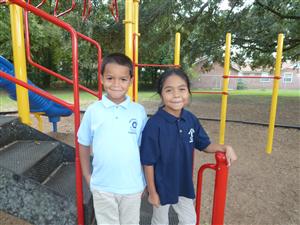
{"points": [[168, 142]]}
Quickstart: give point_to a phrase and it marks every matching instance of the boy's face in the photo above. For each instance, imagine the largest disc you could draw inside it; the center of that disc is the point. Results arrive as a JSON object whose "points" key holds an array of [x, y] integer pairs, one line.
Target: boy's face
{"points": [[116, 81]]}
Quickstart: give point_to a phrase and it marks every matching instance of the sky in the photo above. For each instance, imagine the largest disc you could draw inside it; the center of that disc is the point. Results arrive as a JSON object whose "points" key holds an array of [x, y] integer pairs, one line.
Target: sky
{"points": [[224, 4]]}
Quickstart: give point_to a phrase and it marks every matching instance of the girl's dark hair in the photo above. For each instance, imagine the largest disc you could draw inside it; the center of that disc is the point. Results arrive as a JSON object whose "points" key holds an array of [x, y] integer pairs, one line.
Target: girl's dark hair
{"points": [[170, 72], [119, 59]]}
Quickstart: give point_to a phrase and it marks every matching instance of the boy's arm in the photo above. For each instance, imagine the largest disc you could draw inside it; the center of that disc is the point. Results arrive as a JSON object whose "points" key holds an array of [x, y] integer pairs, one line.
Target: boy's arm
{"points": [[84, 154], [153, 195], [230, 153]]}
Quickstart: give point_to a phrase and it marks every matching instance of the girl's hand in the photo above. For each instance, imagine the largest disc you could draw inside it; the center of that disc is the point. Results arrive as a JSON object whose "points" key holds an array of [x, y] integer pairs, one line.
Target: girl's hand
{"points": [[230, 155], [153, 199]]}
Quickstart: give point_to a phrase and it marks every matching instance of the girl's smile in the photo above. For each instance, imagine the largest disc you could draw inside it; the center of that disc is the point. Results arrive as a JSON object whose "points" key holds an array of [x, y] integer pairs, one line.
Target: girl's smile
{"points": [[175, 95]]}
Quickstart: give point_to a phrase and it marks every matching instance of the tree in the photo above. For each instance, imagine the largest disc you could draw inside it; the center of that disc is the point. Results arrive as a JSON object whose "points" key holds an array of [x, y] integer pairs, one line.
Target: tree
{"points": [[202, 24]]}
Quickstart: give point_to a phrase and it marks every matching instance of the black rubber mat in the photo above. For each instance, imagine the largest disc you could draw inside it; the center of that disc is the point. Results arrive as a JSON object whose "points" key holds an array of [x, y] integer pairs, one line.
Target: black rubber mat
{"points": [[6, 119], [22, 155], [58, 182]]}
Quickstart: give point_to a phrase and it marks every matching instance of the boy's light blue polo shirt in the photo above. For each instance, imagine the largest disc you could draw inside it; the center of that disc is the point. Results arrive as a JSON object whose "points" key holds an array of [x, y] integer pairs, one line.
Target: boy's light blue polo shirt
{"points": [[114, 133]]}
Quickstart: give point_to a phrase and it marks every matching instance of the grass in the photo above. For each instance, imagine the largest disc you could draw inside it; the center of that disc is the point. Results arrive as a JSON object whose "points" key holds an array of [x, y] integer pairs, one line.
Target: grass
{"points": [[6, 104], [282, 93]]}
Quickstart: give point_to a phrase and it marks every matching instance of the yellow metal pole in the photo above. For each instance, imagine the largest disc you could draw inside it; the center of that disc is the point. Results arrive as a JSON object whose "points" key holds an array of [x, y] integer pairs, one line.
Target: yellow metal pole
{"points": [[17, 33], [39, 120], [275, 93], [177, 49], [136, 31], [128, 32], [225, 88]]}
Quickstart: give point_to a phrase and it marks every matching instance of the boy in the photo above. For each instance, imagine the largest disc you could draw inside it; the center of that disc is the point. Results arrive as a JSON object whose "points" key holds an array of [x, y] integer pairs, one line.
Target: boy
{"points": [[112, 129]]}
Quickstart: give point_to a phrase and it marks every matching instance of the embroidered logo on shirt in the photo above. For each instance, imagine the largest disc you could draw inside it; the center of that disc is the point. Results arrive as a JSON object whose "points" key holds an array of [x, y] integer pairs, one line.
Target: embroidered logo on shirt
{"points": [[191, 133], [132, 126]]}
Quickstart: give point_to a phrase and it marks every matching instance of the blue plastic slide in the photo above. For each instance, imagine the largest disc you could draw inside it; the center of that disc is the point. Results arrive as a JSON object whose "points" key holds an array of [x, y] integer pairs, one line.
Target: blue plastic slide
{"points": [[37, 103]]}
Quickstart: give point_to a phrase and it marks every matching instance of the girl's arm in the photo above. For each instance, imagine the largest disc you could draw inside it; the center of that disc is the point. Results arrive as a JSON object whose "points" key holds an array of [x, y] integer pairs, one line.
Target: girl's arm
{"points": [[230, 153], [153, 195], [84, 154]]}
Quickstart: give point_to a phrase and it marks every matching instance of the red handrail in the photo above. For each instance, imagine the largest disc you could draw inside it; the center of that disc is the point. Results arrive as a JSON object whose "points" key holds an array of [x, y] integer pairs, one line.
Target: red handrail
{"points": [[156, 65], [69, 81], [269, 77], [220, 189], [65, 12], [210, 92], [76, 110], [37, 90]]}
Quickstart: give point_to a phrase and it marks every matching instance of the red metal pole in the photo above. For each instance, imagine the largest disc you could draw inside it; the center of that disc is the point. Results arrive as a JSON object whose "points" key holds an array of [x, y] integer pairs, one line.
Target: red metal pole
{"points": [[80, 214], [210, 92], [258, 77], [220, 189], [157, 65], [199, 189]]}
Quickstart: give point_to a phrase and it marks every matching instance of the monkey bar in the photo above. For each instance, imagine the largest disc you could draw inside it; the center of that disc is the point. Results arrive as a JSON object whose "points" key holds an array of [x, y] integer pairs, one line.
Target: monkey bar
{"points": [[113, 8], [39, 5], [65, 12], [86, 12]]}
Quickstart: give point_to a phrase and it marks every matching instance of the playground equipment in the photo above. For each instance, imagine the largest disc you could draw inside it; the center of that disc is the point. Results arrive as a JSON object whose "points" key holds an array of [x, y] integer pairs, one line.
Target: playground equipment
{"points": [[20, 70], [225, 92], [131, 49], [276, 78], [37, 103]]}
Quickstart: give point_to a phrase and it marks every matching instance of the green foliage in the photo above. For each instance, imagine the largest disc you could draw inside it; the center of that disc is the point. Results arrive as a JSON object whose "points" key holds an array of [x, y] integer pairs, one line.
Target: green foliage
{"points": [[241, 85], [202, 24]]}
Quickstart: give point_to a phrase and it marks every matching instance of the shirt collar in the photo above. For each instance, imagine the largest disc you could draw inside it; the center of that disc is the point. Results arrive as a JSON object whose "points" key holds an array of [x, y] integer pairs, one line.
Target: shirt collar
{"points": [[108, 103], [169, 117]]}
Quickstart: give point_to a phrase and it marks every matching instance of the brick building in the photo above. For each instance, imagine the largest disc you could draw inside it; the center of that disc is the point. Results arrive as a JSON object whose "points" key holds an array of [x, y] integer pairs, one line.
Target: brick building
{"points": [[212, 79]]}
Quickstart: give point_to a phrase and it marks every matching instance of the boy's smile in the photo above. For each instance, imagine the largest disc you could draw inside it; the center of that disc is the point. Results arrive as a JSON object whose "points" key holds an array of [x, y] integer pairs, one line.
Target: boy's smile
{"points": [[116, 81]]}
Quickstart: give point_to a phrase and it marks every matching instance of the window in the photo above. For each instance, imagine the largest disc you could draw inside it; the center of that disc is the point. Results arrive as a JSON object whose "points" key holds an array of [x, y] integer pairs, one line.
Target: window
{"points": [[287, 78], [264, 74]]}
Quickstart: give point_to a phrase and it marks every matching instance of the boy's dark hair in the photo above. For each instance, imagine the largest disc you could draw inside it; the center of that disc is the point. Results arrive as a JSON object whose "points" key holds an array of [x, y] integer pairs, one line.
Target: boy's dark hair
{"points": [[170, 72], [119, 59]]}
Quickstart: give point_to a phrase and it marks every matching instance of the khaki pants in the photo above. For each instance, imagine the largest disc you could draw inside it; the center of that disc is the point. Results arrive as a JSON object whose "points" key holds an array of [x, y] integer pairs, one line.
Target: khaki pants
{"points": [[115, 209], [184, 208]]}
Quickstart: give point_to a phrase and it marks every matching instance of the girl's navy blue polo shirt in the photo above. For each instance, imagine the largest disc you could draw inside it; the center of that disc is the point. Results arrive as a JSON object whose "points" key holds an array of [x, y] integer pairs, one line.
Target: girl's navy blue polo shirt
{"points": [[168, 143]]}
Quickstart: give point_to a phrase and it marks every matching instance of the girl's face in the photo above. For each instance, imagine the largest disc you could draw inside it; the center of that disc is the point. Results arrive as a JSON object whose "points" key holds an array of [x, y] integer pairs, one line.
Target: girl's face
{"points": [[175, 94]]}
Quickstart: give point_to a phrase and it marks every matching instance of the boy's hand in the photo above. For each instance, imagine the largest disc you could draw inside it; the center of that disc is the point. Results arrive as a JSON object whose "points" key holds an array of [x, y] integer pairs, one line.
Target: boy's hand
{"points": [[153, 199], [230, 154]]}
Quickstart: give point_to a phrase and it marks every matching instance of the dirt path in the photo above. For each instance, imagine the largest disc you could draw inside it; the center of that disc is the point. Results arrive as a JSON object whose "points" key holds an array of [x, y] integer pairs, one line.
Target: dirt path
{"points": [[262, 189]]}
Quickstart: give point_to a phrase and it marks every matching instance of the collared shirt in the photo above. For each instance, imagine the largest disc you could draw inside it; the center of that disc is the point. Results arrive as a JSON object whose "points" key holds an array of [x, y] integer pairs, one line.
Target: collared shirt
{"points": [[168, 143], [114, 133]]}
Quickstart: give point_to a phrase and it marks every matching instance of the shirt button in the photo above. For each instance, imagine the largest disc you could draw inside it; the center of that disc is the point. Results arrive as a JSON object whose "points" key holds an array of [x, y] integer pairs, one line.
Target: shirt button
{"points": [[116, 117], [180, 131]]}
